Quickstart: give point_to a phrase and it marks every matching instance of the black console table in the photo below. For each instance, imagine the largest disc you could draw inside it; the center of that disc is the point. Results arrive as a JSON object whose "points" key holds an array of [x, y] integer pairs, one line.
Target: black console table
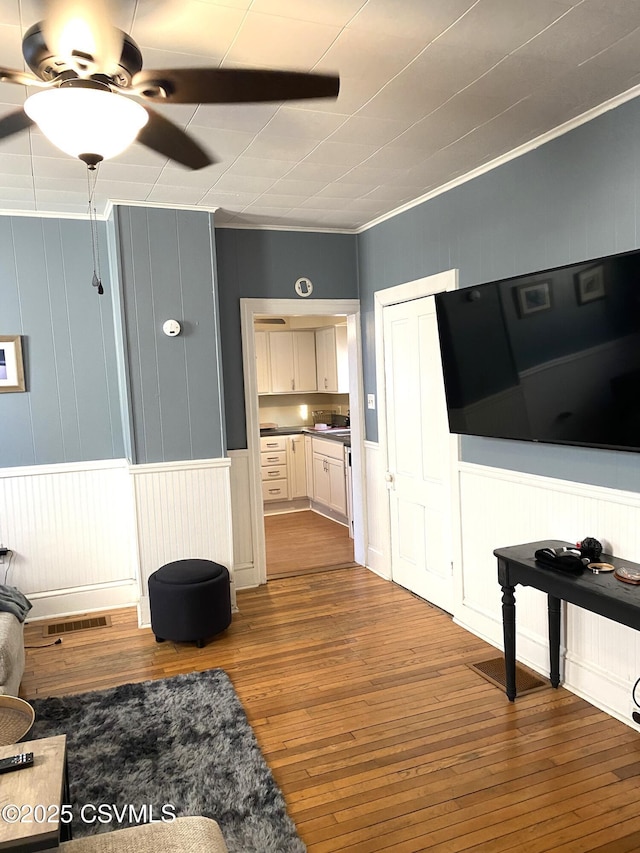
{"points": [[600, 593]]}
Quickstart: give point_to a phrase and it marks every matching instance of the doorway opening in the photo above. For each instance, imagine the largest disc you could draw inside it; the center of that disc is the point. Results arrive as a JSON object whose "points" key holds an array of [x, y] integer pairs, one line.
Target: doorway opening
{"points": [[305, 516], [303, 542]]}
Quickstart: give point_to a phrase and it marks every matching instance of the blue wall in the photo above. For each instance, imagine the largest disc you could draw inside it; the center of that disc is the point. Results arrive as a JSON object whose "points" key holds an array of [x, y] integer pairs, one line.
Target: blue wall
{"points": [[572, 199], [266, 265], [71, 410], [167, 270]]}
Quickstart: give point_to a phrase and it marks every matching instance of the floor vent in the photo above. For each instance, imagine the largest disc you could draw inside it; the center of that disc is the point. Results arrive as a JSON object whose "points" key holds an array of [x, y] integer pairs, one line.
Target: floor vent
{"points": [[493, 671], [72, 625]]}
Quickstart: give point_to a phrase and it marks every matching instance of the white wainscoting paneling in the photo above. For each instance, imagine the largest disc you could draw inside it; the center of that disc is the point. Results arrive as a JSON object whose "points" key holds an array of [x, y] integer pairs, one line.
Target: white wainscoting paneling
{"points": [[245, 572], [183, 510], [501, 508], [378, 544], [71, 530]]}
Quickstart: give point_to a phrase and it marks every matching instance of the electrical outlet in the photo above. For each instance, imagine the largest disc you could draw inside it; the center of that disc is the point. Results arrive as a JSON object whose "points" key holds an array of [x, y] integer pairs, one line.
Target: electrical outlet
{"points": [[371, 401]]}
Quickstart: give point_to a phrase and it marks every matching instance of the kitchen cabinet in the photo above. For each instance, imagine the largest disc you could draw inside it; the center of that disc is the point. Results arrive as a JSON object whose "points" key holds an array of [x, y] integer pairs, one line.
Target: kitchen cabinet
{"points": [[332, 364], [262, 362], [292, 357], [283, 467], [296, 466], [328, 475], [273, 468], [308, 463]]}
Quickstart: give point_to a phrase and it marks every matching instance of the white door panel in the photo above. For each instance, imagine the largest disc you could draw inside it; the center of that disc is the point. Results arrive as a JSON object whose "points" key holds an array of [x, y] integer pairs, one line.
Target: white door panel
{"points": [[418, 452]]}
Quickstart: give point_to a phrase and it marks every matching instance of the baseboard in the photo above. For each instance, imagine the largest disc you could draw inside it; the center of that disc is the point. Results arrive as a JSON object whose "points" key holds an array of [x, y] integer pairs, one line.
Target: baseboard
{"points": [[244, 576], [71, 602], [376, 562], [586, 680], [279, 507], [327, 512]]}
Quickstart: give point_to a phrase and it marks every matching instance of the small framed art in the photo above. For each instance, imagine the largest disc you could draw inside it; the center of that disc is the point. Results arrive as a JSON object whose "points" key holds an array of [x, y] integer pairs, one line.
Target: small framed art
{"points": [[11, 365], [590, 284], [532, 298]]}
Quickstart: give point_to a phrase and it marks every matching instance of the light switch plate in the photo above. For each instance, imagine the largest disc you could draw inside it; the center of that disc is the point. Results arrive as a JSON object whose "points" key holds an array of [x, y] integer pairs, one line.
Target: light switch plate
{"points": [[371, 401]]}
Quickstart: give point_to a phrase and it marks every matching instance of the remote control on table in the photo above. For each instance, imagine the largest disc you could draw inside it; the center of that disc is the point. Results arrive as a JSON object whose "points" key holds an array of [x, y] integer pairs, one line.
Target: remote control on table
{"points": [[16, 762]]}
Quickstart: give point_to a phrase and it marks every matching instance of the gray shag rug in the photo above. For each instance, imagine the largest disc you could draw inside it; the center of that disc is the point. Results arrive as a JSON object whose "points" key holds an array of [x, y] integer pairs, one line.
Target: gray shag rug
{"points": [[183, 741]]}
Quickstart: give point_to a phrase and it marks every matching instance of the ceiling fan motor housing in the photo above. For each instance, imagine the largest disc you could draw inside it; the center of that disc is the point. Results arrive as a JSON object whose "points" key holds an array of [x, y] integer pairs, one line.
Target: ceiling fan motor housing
{"points": [[49, 67]]}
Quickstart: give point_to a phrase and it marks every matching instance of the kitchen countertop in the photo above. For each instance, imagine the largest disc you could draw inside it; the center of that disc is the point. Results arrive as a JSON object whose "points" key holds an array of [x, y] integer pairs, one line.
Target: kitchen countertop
{"points": [[341, 436]]}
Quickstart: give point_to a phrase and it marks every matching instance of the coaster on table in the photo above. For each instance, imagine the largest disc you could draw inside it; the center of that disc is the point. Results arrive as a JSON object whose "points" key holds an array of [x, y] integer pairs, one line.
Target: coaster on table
{"points": [[627, 575]]}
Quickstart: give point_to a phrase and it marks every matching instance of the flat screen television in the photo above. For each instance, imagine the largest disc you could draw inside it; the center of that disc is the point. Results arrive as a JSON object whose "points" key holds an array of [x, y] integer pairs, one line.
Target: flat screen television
{"points": [[553, 356]]}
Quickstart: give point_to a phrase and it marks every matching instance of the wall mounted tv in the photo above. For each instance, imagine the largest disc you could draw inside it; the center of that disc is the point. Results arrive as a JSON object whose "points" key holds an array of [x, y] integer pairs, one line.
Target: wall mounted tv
{"points": [[553, 356]]}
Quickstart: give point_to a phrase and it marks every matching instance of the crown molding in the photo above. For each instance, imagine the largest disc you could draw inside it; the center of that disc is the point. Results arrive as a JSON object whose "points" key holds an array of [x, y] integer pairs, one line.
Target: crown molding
{"points": [[308, 228]]}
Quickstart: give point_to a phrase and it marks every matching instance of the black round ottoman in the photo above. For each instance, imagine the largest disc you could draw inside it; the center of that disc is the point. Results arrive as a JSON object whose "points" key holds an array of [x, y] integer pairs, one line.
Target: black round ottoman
{"points": [[190, 601]]}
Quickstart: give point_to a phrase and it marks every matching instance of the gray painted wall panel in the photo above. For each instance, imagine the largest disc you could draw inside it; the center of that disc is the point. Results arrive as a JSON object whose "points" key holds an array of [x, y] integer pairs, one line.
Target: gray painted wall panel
{"points": [[572, 199], [36, 302], [70, 412], [266, 264], [166, 303], [200, 305], [167, 272]]}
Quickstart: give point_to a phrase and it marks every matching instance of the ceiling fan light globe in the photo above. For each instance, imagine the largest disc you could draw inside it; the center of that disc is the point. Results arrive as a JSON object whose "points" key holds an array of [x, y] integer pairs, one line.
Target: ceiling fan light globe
{"points": [[87, 121]]}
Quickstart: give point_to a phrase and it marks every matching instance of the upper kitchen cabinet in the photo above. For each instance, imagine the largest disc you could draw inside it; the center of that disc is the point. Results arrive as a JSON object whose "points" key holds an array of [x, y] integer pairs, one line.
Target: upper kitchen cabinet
{"points": [[263, 378], [292, 358], [332, 364]]}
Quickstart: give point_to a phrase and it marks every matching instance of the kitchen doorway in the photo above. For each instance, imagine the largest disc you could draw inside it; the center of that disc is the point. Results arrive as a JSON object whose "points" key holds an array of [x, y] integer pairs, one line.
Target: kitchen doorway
{"points": [[304, 540]]}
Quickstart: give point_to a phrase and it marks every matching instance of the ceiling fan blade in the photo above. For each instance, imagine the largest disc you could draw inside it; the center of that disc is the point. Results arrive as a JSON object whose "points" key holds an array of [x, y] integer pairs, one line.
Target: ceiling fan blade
{"points": [[14, 123], [81, 32], [23, 78], [167, 138], [232, 85]]}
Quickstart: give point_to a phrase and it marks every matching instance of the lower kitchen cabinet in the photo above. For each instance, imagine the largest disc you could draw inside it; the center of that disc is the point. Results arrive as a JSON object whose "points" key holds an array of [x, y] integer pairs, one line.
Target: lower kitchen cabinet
{"points": [[296, 466], [283, 468], [328, 475], [300, 466], [274, 469]]}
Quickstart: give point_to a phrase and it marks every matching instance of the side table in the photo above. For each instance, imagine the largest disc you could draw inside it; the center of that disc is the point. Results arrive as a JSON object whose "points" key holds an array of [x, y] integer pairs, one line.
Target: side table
{"points": [[43, 785]]}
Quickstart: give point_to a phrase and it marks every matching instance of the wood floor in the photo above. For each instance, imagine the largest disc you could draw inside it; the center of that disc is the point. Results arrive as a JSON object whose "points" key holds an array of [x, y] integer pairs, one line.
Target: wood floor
{"points": [[378, 732], [301, 542]]}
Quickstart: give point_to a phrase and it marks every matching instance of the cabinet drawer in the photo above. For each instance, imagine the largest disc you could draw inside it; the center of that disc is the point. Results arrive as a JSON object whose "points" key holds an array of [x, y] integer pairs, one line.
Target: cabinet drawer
{"points": [[273, 443], [274, 472], [274, 457], [275, 491], [334, 449]]}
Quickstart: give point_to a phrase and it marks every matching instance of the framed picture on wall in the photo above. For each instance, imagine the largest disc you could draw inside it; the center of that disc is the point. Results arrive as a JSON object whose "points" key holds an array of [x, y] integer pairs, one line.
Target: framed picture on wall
{"points": [[11, 366], [532, 298], [590, 284]]}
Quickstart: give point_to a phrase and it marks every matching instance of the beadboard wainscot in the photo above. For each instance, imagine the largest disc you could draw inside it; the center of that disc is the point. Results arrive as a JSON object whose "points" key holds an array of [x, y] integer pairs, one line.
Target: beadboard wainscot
{"points": [[501, 508], [244, 569], [377, 512], [71, 530], [182, 510]]}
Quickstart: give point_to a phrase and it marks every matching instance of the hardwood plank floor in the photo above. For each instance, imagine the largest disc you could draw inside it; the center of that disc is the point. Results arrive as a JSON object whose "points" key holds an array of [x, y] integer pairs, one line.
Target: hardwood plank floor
{"points": [[303, 542], [378, 732]]}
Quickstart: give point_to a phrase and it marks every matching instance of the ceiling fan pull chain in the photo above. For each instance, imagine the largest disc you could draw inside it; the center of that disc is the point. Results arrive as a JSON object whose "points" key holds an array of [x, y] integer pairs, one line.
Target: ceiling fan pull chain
{"points": [[97, 279]]}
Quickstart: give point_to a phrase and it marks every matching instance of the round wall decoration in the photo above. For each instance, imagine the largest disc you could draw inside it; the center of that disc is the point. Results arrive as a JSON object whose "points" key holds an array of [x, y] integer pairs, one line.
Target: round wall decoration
{"points": [[303, 287]]}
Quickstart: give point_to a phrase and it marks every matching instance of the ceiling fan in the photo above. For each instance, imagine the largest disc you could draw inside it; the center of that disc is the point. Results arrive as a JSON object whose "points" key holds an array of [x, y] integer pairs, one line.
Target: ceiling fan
{"points": [[91, 84]]}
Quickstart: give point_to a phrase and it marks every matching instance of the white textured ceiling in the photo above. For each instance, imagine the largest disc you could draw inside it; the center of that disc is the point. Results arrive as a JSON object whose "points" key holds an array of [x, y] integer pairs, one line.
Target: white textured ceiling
{"points": [[430, 90]]}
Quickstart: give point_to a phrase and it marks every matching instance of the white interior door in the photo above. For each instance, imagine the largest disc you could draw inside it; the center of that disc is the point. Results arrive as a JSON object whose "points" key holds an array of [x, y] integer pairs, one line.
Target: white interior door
{"points": [[419, 462]]}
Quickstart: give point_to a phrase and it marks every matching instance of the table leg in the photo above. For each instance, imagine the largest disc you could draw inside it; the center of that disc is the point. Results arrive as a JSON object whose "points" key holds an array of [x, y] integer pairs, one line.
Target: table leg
{"points": [[554, 639], [509, 631], [65, 828]]}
